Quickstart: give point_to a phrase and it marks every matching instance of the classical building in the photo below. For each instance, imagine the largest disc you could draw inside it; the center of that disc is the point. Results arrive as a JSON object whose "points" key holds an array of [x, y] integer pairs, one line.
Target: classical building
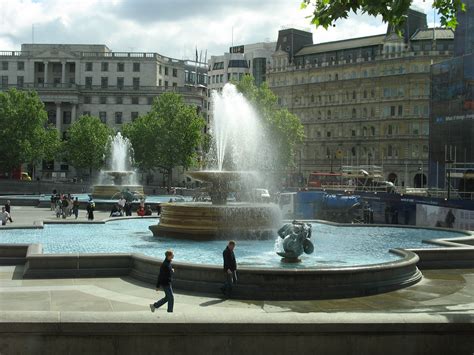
{"points": [[117, 87], [362, 101], [452, 114]]}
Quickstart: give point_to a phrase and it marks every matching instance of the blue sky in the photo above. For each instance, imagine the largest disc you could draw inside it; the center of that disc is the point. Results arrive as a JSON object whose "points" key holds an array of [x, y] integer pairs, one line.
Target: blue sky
{"points": [[172, 28]]}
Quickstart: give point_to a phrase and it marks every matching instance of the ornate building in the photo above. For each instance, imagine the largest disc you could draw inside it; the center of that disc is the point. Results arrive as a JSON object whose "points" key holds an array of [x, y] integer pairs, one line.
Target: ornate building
{"points": [[362, 101]]}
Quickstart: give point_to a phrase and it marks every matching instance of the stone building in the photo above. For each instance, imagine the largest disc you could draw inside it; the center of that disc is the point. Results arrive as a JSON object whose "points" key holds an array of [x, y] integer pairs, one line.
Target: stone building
{"points": [[362, 101], [117, 87]]}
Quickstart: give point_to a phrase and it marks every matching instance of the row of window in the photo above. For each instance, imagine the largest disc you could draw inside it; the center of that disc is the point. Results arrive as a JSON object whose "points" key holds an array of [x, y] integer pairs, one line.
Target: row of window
{"points": [[389, 151], [414, 128], [119, 100], [216, 79], [120, 67], [118, 116], [19, 66]]}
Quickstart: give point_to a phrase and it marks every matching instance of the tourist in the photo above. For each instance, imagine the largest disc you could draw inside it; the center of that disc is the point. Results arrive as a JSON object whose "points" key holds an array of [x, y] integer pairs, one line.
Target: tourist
{"points": [[165, 280], [90, 209], [448, 220], [52, 201], [148, 211], [141, 211], [58, 207], [8, 207], [64, 206], [5, 216], [116, 212], [128, 209], [142, 203], [230, 269], [121, 203], [75, 207]]}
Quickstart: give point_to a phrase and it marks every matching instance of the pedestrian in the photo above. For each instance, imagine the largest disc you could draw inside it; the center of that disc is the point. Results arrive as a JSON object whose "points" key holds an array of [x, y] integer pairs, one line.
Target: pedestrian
{"points": [[128, 209], [230, 269], [64, 206], [121, 203], [8, 207], [90, 209], [75, 207], [165, 280], [5, 216]]}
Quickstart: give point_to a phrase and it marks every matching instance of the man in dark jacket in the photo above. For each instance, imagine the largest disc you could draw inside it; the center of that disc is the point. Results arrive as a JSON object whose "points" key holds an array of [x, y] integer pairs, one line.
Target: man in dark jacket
{"points": [[165, 279], [230, 269]]}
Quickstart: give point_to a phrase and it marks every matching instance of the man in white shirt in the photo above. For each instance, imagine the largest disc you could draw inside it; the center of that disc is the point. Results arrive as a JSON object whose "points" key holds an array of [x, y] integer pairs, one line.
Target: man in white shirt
{"points": [[4, 217]]}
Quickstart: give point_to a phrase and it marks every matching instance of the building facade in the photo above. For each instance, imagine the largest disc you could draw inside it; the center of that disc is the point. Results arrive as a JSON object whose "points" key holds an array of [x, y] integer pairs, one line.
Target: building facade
{"points": [[74, 80], [362, 101], [452, 113]]}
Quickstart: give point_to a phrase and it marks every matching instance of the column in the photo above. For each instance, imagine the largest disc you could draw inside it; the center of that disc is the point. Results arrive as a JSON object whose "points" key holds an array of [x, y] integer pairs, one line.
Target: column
{"points": [[63, 73], [73, 112], [59, 119], [45, 72], [77, 74]]}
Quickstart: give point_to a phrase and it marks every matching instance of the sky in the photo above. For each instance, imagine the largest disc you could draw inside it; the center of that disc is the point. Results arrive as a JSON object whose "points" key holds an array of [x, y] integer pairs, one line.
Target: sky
{"points": [[172, 28]]}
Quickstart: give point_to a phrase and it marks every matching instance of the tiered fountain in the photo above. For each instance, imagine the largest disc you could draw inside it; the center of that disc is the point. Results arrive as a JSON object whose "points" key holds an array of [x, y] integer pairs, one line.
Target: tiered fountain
{"points": [[120, 176], [238, 141]]}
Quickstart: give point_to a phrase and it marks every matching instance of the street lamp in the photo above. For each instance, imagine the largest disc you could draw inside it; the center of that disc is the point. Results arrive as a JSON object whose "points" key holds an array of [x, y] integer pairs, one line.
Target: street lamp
{"points": [[449, 161]]}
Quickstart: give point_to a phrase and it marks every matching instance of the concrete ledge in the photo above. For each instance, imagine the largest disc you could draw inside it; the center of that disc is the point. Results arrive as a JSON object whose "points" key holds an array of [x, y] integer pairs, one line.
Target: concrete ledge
{"points": [[136, 333]]}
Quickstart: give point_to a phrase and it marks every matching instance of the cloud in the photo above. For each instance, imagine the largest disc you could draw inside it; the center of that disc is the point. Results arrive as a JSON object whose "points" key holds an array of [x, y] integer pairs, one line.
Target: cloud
{"points": [[172, 28]]}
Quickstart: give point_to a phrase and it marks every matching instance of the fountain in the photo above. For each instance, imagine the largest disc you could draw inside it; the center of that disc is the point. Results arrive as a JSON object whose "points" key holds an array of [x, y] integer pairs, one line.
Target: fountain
{"points": [[239, 144], [119, 177]]}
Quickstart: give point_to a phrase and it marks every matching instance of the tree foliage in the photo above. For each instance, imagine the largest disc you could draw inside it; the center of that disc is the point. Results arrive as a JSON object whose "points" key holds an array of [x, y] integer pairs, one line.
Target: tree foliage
{"points": [[393, 12], [167, 136], [283, 129], [87, 143], [25, 136]]}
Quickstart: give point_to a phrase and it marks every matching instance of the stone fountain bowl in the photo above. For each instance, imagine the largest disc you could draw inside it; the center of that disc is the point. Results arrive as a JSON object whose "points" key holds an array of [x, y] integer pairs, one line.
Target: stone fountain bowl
{"points": [[117, 173], [220, 177]]}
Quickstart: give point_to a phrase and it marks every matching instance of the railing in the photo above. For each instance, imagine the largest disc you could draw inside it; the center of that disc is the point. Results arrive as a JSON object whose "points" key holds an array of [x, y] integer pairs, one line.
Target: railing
{"points": [[14, 53], [68, 86]]}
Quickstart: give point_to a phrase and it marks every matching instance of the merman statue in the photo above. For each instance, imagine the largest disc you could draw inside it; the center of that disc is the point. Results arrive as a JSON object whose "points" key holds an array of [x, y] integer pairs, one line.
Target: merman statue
{"points": [[296, 241]]}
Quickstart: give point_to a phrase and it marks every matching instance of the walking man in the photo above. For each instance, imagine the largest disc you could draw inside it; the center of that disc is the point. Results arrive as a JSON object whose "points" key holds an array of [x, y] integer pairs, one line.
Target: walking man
{"points": [[4, 217], [230, 269], [165, 279], [8, 210]]}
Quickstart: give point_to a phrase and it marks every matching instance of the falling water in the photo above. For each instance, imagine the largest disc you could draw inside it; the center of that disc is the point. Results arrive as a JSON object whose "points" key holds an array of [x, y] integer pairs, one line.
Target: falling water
{"points": [[237, 132]]}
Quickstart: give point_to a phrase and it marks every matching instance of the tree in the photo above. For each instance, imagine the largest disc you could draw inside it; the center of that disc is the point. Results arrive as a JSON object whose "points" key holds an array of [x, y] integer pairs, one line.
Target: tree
{"points": [[25, 136], [393, 12], [283, 129], [167, 136], [87, 143]]}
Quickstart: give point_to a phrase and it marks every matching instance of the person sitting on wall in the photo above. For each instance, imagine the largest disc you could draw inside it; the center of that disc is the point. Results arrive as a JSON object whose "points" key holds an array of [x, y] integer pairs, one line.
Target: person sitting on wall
{"points": [[115, 212], [141, 211], [148, 211]]}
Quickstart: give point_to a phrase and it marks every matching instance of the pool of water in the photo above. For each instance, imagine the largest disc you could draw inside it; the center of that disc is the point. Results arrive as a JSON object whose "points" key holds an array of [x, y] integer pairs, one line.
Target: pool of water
{"points": [[334, 246]]}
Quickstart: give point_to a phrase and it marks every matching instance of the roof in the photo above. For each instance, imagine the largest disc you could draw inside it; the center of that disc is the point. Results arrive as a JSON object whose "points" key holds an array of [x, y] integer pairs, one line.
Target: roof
{"points": [[343, 44], [428, 33]]}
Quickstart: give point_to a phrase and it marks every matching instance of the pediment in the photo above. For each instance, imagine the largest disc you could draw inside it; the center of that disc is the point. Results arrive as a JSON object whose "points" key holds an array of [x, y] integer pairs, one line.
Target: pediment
{"points": [[54, 53], [280, 53]]}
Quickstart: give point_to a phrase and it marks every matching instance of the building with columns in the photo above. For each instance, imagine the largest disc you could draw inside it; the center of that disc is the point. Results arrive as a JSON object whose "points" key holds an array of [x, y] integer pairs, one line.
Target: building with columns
{"points": [[79, 79], [362, 101]]}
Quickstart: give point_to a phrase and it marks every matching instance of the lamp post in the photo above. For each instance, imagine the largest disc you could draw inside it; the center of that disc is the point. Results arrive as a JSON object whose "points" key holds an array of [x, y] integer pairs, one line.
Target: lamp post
{"points": [[448, 163]]}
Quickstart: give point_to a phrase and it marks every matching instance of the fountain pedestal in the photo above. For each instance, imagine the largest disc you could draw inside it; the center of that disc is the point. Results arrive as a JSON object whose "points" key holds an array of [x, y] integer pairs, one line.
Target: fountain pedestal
{"points": [[218, 219], [108, 191]]}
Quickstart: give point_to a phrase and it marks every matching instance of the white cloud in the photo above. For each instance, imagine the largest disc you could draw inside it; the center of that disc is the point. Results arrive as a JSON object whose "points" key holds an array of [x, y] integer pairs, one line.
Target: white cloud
{"points": [[172, 28]]}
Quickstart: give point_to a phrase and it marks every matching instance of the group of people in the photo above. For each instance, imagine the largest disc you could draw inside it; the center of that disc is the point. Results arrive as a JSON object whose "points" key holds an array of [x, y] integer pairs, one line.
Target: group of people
{"points": [[5, 215], [64, 205], [165, 277], [124, 208]]}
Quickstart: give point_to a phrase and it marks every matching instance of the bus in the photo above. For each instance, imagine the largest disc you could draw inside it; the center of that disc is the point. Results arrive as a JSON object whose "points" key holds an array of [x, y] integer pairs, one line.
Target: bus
{"points": [[322, 179]]}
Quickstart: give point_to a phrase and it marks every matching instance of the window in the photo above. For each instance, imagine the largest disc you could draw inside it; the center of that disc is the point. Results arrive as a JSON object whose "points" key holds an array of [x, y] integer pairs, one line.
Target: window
{"points": [[160, 82], [20, 65], [372, 131], [392, 111], [159, 69], [4, 65], [353, 133], [134, 100], [119, 100], [104, 66], [86, 113], [104, 82], [166, 70], [166, 84], [150, 100], [329, 115], [354, 113], [20, 80], [103, 117], [66, 117], [87, 99], [372, 93], [120, 82], [89, 66], [175, 85], [328, 134], [4, 80], [365, 94], [354, 95], [120, 67], [118, 117], [136, 83], [103, 100], [136, 67], [88, 82], [175, 72], [134, 116], [400, 110]]}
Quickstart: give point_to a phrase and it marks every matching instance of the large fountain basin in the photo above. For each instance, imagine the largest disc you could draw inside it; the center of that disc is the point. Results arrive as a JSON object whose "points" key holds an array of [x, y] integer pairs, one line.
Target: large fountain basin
{"points": [[113, 191], [205, 221]]}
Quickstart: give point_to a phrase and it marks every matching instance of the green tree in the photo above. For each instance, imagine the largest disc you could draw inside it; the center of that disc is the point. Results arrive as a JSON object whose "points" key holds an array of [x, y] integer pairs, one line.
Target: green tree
{"points": [[393, 12], [25, 136], [283, 129], [166, 137], [87, 143]]}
